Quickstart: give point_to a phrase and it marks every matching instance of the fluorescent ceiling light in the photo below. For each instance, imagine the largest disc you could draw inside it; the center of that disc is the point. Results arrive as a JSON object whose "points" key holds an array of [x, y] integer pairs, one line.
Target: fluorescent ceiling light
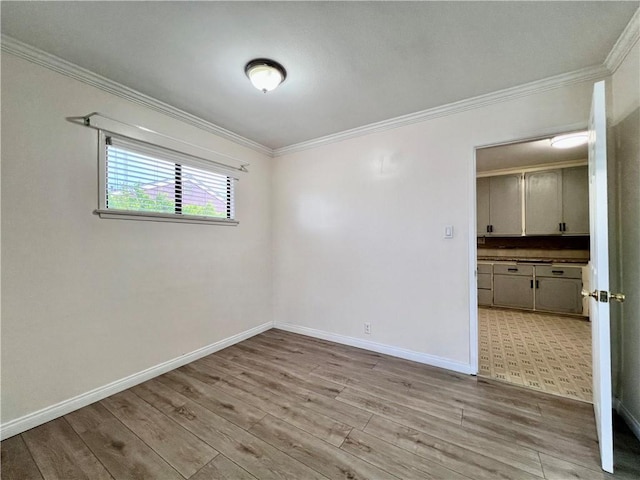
{"points": [[265, 74], [570, 140]]}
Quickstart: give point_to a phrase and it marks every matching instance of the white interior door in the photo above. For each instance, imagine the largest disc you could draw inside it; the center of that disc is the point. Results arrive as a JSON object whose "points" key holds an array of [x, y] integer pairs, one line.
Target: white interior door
{"points": [[599, 276]]}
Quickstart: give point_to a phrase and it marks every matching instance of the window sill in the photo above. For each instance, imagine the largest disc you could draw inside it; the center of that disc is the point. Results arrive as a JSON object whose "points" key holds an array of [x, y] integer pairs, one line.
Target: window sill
{"points": [[163, 217]]}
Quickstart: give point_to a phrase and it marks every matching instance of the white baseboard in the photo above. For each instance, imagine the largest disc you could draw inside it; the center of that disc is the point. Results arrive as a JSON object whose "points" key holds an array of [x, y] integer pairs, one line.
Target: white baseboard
{"points": [[631, 421], [419, 357], [47, 414]]}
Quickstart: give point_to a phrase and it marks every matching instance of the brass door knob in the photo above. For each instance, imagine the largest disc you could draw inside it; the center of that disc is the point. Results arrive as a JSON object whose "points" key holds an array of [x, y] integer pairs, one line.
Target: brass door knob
{"points": [[603, 296], [618, 297]]}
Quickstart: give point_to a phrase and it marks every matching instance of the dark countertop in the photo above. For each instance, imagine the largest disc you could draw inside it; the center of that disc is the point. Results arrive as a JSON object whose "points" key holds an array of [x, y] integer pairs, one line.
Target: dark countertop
{"points": [[542, 261]]}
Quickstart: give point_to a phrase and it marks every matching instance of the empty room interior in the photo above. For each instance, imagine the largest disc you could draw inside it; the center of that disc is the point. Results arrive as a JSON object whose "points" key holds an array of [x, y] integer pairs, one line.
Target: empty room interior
{"points": [[311, 240]]}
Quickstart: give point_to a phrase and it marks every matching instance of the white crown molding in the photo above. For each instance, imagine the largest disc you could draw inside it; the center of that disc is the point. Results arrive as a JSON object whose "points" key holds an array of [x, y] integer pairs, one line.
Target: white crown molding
{"points": [[412, 355], [626, 41], [594, 73], [57, 64], [31, 420]]}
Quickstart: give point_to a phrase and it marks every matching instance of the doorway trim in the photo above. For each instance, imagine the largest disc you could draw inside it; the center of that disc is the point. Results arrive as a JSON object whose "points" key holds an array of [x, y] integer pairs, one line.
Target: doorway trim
{"points": [[473, 233]]}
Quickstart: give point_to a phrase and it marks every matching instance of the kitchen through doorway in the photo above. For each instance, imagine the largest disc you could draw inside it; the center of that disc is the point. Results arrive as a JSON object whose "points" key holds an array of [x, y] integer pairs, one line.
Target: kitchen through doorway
{"points": [[533, 253]]}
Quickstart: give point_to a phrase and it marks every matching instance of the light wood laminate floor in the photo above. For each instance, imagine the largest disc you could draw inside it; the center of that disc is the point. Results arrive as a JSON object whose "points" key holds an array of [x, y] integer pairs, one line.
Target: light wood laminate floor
{"points": [[285, 406]]}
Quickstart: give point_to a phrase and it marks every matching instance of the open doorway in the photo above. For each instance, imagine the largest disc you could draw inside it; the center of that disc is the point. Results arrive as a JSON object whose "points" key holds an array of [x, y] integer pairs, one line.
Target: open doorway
{"points": [[533, 252]]}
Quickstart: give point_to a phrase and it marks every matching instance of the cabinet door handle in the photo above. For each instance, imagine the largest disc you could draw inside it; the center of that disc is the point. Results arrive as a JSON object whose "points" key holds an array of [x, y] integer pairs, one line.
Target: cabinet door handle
{"points": [[564, 227], [512, 269], [537, 284], [557, 272], [531, 283], [560, 226], [488, 228]]}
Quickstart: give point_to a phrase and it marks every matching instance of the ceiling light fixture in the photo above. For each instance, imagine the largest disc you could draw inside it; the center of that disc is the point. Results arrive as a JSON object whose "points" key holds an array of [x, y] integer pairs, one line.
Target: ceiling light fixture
{"points": [[570, 140], [265, 74]]}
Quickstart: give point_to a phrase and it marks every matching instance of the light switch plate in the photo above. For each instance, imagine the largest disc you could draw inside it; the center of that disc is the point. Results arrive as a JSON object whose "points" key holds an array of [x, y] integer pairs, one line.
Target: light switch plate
{"points": [[448, 231]]}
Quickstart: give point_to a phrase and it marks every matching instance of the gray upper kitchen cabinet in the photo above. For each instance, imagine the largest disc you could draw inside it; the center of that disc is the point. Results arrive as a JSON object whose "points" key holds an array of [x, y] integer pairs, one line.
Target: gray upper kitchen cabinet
{"points": [[505, 205], [575, 200], [543, 202], [557, 202]]}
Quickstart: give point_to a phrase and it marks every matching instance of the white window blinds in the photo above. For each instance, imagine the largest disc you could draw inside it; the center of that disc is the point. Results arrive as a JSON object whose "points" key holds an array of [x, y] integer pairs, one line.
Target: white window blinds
{"points": [[143, 178]]}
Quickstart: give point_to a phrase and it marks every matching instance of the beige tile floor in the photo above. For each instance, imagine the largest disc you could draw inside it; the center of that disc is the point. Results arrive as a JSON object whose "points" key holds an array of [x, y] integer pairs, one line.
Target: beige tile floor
{"points": [[550, 353]]}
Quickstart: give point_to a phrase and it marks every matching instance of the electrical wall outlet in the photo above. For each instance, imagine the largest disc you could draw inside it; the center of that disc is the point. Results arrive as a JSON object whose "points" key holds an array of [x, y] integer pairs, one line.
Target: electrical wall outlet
{"points": [[367, 328]]}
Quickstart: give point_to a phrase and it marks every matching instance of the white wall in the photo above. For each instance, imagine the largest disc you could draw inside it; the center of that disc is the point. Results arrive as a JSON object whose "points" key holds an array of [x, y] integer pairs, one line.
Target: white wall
{"points": [[88, 301], [626, 85], [358, 225], [626, 127]]}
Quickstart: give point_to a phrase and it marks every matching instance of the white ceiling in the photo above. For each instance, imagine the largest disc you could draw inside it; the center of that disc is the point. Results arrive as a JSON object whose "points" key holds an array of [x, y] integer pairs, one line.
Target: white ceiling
{"points": [[526, 154], [349, 63]]}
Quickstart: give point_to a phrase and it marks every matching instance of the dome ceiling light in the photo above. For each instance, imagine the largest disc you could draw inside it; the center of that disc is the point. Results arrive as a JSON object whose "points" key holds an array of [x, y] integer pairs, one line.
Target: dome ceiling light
{"points": [[265, 74], [570, 140]]}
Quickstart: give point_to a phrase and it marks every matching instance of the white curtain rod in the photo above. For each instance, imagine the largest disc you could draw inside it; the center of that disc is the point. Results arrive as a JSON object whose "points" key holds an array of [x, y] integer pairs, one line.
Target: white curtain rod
{"points": [[86, 121]]}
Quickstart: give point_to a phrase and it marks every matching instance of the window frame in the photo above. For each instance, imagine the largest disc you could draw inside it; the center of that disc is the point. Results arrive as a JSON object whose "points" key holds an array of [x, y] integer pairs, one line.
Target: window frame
{"points": [[104, 212]]}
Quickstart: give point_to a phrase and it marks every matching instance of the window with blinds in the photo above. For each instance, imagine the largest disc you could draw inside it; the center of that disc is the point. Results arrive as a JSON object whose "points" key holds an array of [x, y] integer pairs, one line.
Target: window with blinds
{"points": [[154, 181]]}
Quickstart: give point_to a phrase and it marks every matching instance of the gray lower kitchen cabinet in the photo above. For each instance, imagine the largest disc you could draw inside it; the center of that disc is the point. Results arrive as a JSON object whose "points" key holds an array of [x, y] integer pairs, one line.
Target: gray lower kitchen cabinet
{"points": [[513, 286], [546, 288], [558, 289], [485, 284], [559, 295], [512, 291], [485, 297]]}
